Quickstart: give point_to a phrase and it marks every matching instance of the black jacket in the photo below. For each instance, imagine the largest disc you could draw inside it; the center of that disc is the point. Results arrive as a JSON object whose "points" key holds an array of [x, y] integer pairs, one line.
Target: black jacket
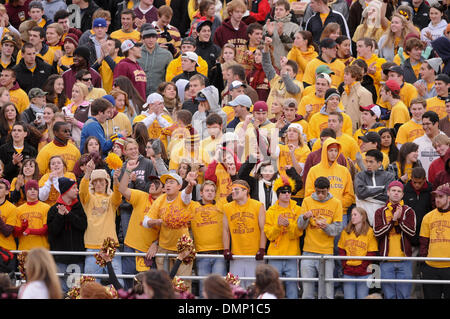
{"points": [[6, 153], [86, 20], [421, 203], [408, 72], [66, 233], [209, 51], [315, 26], [27, 79], [180, 18], [421, 18]]}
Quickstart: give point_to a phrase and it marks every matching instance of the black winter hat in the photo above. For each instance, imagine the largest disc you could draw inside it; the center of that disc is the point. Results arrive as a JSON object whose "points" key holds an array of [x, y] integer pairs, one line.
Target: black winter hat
{"points": [[65, 184]]}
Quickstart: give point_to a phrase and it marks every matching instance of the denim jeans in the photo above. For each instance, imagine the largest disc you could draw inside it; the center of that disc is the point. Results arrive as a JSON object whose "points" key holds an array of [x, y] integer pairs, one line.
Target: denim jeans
{"points": [[287, 268], [338, 272], [396, 270], [124, 220], [309, 268], [244, 268], [90, 267], [68, 281], [356, 290], [207, 266], [128, 266]]}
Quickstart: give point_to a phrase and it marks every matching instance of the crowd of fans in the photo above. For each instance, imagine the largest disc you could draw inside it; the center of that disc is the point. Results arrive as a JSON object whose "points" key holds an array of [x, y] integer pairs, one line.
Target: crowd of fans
{"points": [[254, 127]]}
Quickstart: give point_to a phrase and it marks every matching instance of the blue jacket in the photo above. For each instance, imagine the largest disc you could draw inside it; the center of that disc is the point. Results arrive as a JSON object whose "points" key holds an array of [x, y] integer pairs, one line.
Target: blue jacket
{"points": [[92, 127]]}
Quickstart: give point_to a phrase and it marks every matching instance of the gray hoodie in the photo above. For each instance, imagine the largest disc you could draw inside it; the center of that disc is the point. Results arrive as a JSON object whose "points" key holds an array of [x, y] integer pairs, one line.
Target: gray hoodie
{"points": [[199, 118], [51, 6], [374, 185]]}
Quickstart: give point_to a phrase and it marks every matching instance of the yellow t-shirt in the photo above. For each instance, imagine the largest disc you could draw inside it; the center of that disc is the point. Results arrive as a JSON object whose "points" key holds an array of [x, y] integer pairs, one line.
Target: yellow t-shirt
{"points": [[162, 209], [316, 240], [243, 222], [408, 92], [207, 226], [399, 114], [20, 99], [137, 236], [319, 121], [100, 210], [436, 227], [36, 214], [8, 213], [358, 245], [155, 130], [359, 132], [70, 153], [437, 105], [107, 74], [336, 66], [22, 200], [408, 132], [316, 103], [134, 35], [223, 183]]}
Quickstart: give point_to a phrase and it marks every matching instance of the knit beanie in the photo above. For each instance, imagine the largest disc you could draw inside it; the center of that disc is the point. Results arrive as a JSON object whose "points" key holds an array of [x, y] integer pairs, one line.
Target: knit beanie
{"points": [[65, 184], [110, 98], [331, 92], [73, 38], [395, 183], [435, 63], [31, 184]]}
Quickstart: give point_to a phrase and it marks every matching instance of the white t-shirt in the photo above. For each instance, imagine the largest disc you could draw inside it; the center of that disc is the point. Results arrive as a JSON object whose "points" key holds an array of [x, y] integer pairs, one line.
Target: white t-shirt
{"points": [[267, 295], [427, 153], [34, 290]]}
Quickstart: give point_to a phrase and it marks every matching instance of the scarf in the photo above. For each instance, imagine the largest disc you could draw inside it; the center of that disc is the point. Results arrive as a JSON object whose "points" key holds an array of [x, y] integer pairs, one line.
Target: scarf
{"points": [[258, 75], [348, 88], [391, 208], [262, 194]]}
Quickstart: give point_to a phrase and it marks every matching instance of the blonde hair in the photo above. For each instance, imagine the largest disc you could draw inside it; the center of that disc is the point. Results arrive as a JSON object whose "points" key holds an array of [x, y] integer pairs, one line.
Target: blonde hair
{"points": [[390, 36], [100, 13], [83, 88], [235, 4], [40, 266], [365, 223], [58, 27]]}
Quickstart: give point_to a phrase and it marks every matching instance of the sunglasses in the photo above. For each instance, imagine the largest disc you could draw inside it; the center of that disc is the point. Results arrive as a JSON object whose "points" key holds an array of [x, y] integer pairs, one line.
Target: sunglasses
{"points": [[285, 191], [86, 79]]}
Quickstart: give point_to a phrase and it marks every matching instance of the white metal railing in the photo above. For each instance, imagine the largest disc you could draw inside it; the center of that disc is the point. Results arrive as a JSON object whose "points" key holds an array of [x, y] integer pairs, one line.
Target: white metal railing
{"points": [[321, 280]]}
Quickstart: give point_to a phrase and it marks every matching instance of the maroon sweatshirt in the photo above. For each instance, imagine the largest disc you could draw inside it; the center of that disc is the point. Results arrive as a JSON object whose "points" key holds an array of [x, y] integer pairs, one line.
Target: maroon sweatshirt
{"points": [[134, 72], [227, 34], [69, 80]]}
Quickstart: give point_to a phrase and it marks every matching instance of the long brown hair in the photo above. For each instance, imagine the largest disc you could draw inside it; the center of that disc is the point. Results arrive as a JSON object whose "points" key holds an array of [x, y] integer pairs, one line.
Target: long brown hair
{"points": [[365, 223], [267, 280], [40, 266], [216, 287]]}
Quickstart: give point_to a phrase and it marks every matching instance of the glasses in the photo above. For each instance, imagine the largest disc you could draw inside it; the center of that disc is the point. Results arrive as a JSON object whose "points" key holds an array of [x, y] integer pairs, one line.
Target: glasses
{"points": [[285, 192], [86, 79]]}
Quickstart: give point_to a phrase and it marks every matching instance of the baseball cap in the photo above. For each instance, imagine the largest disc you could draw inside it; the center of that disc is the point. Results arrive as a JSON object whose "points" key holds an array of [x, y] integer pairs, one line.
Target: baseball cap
{"points": [[154, 97], [36, 92], [260, 106], [442, 190], [128, 44], [371, 137], [203, 23], [327, 43], [171, 175], [188, 40], [236, 84], [372, 107], [243, 100], [9, 38], [324, 76], [395, 68], [324, 69], [393, 86], [443, 77], [149, 32], [201, 97], [191, 56], [99, 22]]}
